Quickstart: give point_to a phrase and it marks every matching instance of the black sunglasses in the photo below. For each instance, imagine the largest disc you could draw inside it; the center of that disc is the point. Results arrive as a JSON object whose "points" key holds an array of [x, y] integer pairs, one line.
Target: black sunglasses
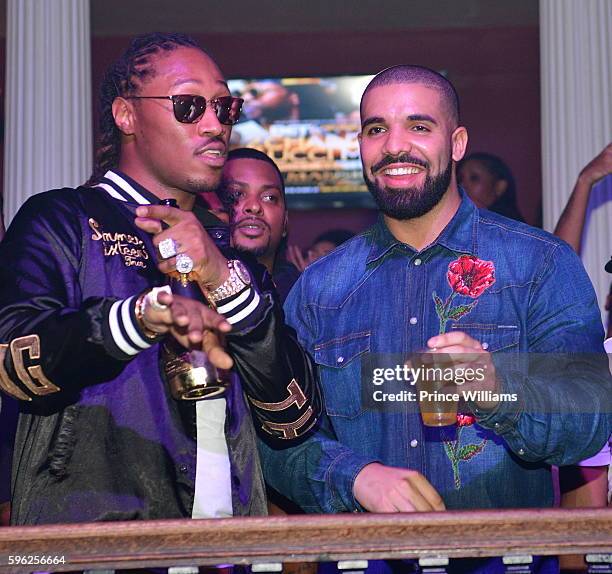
{"points": [[188, 108]]}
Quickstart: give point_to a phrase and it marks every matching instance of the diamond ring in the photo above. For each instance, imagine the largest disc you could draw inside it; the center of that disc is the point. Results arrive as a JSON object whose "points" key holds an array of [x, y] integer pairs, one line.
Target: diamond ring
{"points": [[184, 263], [167, 248], [151, 297]]}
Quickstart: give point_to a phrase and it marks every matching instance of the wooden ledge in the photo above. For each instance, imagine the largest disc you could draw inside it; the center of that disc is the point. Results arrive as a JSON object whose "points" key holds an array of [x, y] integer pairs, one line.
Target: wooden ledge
{"points": [[311, 538]]}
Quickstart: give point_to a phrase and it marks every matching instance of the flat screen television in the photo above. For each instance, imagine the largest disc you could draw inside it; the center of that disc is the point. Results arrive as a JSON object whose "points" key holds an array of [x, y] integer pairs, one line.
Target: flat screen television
{"points": [[309, 127]]}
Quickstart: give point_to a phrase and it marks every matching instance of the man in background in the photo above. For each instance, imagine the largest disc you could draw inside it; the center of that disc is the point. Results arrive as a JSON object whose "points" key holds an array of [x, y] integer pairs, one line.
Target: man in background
{"points": [[253, 189], [323, 244]]}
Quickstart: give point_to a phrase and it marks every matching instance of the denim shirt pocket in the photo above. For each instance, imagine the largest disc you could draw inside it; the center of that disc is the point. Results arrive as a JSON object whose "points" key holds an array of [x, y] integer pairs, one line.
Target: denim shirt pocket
{"points": [[492, 337], [339, 362]]}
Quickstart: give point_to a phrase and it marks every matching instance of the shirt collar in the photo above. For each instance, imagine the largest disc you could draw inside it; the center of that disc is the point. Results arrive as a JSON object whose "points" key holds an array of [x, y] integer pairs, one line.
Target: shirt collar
{"points": [[123, 188], [461, 233], [459, 236]]}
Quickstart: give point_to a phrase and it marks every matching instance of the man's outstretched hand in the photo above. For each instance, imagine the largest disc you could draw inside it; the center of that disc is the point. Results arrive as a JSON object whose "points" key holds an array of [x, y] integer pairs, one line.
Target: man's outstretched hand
{"points": [[191, 323]]}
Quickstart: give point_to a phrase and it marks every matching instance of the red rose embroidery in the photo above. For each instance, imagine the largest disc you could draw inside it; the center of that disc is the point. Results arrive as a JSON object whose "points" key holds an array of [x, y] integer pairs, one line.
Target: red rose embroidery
{"points": [[467, 276], [465, 420], [458, 453], [471, 276]]}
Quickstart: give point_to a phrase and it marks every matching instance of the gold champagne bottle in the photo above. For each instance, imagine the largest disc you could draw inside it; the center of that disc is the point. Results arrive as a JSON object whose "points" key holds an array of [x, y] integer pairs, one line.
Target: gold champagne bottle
{"points": [[189, 372]]}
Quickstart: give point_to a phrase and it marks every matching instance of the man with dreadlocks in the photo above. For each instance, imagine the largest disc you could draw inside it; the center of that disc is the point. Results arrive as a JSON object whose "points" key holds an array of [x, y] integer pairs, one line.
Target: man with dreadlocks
{"points": [[84, 311]]}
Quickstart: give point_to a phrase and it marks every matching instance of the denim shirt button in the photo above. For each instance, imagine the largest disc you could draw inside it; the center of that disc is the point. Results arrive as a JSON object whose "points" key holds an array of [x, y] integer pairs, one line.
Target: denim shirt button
{"points": [[414, 443], [417, 262], [413, 320], [521, 451], [340, 359], [496, 425], [485, 345]]}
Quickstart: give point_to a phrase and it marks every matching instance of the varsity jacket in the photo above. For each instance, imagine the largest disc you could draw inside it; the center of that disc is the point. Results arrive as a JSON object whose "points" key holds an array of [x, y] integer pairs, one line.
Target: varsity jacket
{"points": [[99, 436]]}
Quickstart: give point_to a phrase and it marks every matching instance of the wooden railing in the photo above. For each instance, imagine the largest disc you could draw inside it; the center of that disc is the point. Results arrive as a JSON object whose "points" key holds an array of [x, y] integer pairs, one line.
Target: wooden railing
{"points": [[127, 545]]}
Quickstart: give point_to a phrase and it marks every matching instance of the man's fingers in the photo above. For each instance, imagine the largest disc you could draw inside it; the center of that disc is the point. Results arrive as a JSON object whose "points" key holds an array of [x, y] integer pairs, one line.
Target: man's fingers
{"points": [[192, 314], [201, 319], [428, 499], [167, 265], [385, 505], [457, 353], [165, 298], [453, 338], [380, 488], [152, 226], [182, 317], [406, 497], [400, 500], [211, 345], [165, 213], [412, 493], [212, 320], [155, 318], [219, 358]]}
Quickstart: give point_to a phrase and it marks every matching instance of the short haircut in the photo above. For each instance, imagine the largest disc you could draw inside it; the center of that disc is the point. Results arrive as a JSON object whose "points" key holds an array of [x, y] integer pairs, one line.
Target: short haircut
{"points": [[252, 153], [409, 74]]}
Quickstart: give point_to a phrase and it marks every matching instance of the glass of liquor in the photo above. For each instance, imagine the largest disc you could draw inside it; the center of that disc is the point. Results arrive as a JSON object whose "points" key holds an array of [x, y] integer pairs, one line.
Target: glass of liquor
{"points": [[437, 393]]}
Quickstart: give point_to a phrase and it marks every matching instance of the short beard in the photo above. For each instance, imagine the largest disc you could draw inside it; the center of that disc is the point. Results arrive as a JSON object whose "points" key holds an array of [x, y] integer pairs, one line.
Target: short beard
{"points": [[411, 202], [197, 186], [255, 252]]}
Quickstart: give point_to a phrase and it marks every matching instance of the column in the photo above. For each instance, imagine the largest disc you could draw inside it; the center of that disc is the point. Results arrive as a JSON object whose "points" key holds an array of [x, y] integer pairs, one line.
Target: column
{"points": [[575, 48], [48, 124]]}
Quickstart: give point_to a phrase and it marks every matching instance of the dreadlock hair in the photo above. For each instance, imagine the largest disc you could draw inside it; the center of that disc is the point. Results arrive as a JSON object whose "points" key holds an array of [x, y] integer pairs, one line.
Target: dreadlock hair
{"points": [[124, 78]]}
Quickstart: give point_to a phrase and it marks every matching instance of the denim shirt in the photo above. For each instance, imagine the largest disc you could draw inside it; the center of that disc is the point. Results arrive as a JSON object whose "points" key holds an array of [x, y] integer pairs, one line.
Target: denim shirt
{"points": [[375, 295]]}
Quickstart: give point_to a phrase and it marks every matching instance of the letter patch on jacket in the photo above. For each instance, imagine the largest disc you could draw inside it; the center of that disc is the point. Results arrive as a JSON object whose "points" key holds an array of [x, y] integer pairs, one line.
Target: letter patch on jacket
{"points": [[6, 384], [31, 376], [293, 429]]}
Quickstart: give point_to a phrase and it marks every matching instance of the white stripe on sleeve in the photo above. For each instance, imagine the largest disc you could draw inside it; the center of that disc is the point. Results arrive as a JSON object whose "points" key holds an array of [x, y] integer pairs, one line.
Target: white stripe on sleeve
{"points": [[129, 326], [113, 321], [233, 319], [223, 309]]}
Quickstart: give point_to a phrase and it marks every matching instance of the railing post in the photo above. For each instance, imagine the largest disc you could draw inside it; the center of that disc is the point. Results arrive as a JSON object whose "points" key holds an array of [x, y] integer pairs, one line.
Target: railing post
{"points": [[433, 564], [514, 564], [599, 563], [352, 566], [267, 567]]}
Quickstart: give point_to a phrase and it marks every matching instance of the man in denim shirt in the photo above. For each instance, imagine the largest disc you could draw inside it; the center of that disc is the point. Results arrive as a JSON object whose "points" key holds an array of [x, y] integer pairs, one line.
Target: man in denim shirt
{"points": [[437, 272]]}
